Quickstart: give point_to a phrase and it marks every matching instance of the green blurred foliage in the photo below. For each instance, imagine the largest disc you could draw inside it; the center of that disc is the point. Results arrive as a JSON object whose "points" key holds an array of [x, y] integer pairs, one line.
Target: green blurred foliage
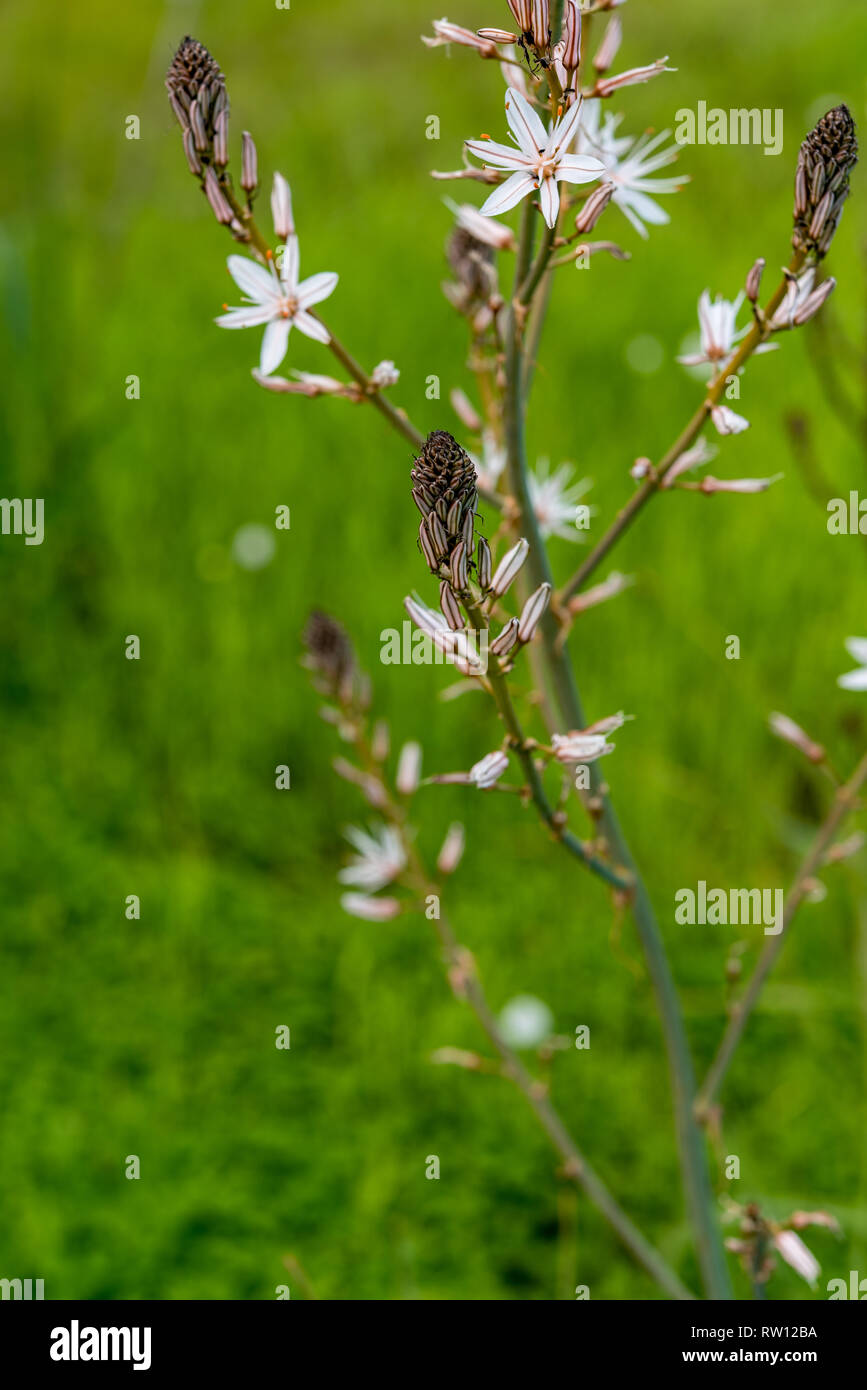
{"points": [[156, 777]]}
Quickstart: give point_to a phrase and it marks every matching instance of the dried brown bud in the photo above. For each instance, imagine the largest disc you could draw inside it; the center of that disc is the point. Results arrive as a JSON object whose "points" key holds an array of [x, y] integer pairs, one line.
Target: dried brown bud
{"points": [[330, 653], [197, 93], [473, 263], [825, 160], [444, 490]]}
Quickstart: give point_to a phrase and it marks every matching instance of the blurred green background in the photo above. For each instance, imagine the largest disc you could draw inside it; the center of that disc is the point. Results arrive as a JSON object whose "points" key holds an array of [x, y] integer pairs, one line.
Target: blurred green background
{"points": [[156, 1037]]}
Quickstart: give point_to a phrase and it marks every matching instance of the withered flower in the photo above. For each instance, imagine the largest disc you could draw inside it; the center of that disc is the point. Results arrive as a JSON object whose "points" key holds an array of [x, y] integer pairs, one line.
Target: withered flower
{"points": [[825, 161], [330, 654]]}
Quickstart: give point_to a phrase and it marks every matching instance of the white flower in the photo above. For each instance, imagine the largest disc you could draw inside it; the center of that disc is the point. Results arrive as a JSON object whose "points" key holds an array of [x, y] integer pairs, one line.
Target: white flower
{"points": [[526, 1022], [381, 857], [580, 747], [554, 499], [718, 333], [727, 421], [540, 159], [278, 300], [488, 770], [490, 467], [856, 680], [717, 319], [628, 162], [384, 374]]}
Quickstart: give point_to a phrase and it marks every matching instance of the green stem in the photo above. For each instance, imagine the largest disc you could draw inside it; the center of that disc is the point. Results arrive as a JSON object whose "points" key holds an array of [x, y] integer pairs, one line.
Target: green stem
{"points": [[699, 1194]]}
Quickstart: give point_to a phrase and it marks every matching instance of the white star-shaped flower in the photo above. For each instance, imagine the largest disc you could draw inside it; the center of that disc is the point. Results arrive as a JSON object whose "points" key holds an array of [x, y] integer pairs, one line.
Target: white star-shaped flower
{"points": [[380, 858], [278, 300], [555, 502], [719, 335], [540, 159], [628, 163]]}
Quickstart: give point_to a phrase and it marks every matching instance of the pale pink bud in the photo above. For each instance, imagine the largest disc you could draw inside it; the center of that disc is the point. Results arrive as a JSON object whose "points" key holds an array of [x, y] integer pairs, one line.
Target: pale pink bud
{"points": [[600, 593], [281, 208], [590, 213], [786, 729], [541, 23], [641, 468], [745, 485], [497, 35], [609, 724], [371, 909], [216, 197], [754, 280], [523, 12], [796, 1254], [610, 44], [249, 163], [606, 85], [571, 54], [506, 640], [452, 850], [408, 769], [509, 567], [384, 374], [488, 770], [485, 229], [813, 303], [446, 32], [465, 411], [531, 613]]}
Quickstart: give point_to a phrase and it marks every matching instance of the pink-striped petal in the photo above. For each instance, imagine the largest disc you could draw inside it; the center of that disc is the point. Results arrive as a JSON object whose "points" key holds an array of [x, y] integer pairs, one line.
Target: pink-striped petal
{"points": [[274, 343], [508, 194]]}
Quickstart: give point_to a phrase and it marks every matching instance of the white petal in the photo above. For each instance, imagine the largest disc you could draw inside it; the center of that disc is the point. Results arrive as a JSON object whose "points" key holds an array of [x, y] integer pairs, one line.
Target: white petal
{"points": [[549, 196], [857, 649], [563, 134], [246, 317], [289, 265], [274, 343], [500, 156], [253, 279], [579, 168], [854, 680], [524, 124], [307, 324], [316, 288], [508, 194]]}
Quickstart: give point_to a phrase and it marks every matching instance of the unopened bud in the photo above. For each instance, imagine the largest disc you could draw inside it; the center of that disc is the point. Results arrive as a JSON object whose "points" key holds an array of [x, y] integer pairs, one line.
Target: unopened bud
{"points": [[754, 280], [531, 613], [249, 163], [450, 607], [509, 567], [483, 563], [593, 208], [609, 45], [216, 197]]}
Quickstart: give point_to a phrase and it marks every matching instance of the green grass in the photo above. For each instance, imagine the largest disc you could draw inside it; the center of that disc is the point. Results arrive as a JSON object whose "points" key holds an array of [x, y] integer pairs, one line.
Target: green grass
{"points": [[156, 1037]]}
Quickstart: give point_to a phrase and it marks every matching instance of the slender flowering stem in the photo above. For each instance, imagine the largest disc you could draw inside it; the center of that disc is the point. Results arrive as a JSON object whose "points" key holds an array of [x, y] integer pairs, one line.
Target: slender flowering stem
{"points": [[757, 335], [690, 1139], [524, 751], [844, 803]]}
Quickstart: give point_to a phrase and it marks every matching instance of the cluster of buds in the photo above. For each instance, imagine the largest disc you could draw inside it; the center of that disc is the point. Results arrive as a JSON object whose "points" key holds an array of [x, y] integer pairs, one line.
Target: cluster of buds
{"points": [[825, 161], [444, 490], [198, 97], [472, 261]]}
